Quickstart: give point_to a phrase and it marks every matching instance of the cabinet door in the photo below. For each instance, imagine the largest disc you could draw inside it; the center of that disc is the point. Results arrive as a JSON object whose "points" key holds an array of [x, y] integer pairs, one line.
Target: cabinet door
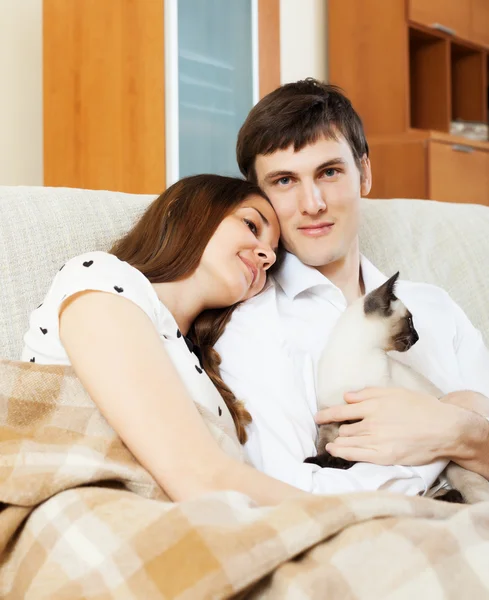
{"points": [[458, 173], [480, 22], [453, 15], [103, 88], [398, 169]]}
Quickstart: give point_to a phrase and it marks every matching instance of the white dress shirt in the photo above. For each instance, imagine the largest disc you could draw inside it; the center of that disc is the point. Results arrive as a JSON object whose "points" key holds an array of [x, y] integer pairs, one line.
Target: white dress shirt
{"points": [[270, 351]]}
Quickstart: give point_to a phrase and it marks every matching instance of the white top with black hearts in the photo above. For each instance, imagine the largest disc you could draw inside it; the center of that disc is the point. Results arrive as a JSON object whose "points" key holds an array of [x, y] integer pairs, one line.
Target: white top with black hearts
{"points": [[105, 272]]}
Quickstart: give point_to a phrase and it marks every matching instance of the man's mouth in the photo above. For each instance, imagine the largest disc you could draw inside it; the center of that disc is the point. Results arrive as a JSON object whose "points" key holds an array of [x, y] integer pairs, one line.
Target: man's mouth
{"points": [[252, 268], [317, 229]]}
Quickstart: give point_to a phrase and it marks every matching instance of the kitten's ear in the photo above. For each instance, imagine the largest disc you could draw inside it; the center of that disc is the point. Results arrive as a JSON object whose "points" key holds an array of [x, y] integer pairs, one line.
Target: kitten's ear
{"points": [[390, 286], [379, 300]]}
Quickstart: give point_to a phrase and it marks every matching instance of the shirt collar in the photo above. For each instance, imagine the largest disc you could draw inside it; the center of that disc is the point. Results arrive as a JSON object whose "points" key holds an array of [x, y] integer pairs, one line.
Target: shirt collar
{"points": [[294, 277]]}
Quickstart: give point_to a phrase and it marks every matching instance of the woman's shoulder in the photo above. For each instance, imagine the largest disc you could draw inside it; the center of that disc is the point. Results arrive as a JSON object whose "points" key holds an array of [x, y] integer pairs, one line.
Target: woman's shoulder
{"points": [[103, 267], [90, 271], [94, 263], [102, 271]]}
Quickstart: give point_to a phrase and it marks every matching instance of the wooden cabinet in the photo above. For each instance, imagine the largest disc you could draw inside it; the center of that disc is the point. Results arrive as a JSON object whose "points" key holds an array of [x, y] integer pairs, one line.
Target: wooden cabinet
{"points": [[465, 19], [453, 16], [431, 166], [480, 22], [457, 173], [412, 68], [368, 57]]}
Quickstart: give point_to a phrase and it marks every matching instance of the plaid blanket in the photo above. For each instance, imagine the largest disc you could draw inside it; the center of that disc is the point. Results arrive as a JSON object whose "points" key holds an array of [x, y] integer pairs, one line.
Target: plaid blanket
{"points": [[80, 518]]}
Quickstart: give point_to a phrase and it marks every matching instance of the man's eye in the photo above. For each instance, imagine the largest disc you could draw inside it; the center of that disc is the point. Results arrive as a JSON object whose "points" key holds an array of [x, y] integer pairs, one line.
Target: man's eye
{"points": [[330, 172], [253, 228]]}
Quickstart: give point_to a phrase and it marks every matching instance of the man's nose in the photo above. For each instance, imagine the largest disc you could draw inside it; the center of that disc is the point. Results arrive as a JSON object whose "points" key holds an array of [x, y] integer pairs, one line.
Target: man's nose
{"points": [[311, 201]]}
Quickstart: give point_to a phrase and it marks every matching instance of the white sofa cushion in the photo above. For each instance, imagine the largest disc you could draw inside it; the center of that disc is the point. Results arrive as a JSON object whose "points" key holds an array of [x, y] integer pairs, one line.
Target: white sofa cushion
{"points": [[40, 228]]}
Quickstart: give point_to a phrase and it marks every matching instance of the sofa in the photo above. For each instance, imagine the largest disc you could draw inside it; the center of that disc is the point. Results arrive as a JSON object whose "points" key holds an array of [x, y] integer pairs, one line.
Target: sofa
{"points": [[81, 518], [40, 228]]}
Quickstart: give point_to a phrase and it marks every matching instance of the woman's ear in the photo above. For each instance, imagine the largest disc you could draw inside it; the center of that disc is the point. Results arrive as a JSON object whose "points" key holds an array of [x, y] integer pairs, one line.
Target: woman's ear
{"points": [[366, 176]]}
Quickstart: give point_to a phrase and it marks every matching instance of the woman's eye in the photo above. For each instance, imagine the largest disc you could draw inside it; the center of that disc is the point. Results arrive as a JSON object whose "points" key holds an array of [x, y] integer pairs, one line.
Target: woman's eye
{"points": [[283, 180], [252, 227]]}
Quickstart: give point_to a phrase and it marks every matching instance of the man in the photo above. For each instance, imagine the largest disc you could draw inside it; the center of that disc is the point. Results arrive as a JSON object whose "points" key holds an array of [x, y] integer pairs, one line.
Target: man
{"points": [[305, 146]]}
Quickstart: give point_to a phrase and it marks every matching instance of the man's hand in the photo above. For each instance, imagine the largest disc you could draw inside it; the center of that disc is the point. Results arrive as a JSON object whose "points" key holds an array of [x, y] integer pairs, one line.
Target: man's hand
{"points": [[395, 427]]}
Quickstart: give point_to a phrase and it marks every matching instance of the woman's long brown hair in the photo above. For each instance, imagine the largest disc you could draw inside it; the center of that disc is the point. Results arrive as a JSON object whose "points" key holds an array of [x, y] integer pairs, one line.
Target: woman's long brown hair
{"points": [[167, 243]]}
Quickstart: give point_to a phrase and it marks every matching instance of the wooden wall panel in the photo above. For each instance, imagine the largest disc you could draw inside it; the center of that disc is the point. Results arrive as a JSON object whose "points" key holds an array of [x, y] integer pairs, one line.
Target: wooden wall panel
{"points": [[104, 113], [269, 45]]}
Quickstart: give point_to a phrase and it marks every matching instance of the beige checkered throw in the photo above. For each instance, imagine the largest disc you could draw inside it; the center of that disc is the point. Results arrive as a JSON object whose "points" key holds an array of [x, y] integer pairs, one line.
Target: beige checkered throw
{"points": [[80, 518]]}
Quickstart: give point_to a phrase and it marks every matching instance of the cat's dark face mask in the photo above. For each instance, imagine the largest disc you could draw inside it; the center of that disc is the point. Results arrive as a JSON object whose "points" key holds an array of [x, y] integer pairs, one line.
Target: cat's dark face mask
{"points": [[382, 301], [407, 335]]}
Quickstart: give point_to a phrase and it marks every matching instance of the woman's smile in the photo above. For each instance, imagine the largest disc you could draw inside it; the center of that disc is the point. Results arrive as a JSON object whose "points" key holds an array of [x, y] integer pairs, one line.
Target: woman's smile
{"points": [[253, 270]]}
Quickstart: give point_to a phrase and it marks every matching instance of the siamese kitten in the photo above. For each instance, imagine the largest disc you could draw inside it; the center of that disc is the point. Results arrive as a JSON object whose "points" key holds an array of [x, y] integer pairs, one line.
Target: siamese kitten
{"points": [[356, 357]]}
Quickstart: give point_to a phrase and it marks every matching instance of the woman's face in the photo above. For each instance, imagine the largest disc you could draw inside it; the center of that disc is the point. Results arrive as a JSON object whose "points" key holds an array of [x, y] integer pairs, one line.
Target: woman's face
{"points": [[241, 250]]}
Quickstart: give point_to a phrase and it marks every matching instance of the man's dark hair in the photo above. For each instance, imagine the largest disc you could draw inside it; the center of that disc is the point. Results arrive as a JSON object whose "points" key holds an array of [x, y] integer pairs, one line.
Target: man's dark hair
{"points": [[298, 114]]}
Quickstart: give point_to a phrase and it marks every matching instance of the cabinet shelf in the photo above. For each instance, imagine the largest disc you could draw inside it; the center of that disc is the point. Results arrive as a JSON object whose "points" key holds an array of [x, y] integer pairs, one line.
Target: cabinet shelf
{"points": [[429, 81], [468, 89], [411, 68]]}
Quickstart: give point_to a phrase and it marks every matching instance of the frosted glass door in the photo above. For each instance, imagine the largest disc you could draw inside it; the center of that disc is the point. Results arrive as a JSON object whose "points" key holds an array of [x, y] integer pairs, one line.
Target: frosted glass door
{"points": [[215, 82]]}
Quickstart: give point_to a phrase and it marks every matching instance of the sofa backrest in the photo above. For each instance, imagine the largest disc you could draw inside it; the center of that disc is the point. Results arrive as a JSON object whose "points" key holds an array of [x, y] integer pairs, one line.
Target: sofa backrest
{"points": [[435, 242], [40, 228]]}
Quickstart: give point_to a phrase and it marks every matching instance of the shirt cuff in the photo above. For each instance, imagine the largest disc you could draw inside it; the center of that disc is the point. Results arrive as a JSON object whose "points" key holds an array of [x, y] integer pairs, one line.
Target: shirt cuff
{"points": [[430, 473], [398, 479]]}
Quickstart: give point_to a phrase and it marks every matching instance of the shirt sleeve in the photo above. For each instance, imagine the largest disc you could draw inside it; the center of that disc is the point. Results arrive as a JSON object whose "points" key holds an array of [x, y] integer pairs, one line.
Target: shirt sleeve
{"points": [[258, 368], [102, 272], [472, 353], [98, 271]]}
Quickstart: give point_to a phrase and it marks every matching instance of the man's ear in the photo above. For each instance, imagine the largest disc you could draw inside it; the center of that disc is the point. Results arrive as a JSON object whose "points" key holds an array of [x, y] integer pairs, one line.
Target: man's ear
{"points": [[366, 176]]}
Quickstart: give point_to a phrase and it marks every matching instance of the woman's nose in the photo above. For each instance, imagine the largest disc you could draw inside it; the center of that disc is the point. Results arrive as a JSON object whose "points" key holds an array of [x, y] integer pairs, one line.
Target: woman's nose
{"points": [[266, 256]]}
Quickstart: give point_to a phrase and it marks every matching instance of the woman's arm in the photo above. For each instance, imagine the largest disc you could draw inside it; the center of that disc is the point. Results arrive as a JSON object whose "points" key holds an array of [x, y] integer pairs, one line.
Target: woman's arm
{"points": [[116, 352]]}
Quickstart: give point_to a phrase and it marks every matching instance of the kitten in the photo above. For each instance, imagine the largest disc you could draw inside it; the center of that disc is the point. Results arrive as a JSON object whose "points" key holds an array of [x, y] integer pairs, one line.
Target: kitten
{"points": [[356, 357]]}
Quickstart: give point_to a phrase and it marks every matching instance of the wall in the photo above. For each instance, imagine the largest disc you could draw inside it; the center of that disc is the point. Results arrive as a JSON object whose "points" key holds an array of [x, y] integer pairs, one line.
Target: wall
{"points": [[21, 92], [302, 52], [303, 43]]}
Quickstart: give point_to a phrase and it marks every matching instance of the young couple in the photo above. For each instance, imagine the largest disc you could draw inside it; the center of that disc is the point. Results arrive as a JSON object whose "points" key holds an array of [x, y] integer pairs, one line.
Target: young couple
{"points": [[141, 324]]}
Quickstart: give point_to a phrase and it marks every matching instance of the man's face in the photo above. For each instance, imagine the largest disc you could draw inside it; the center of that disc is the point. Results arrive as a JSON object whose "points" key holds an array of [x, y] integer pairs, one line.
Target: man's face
{"points": [[316, 195]]}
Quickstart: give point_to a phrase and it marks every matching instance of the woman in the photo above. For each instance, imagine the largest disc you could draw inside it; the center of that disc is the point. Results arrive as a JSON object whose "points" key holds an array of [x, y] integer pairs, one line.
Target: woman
{"points": [[121, 320]]}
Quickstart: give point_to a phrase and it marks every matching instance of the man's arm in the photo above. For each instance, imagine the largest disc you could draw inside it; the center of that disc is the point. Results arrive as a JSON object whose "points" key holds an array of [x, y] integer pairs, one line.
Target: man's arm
{"points": [[471, 449], [277, 387], [473, 401]]}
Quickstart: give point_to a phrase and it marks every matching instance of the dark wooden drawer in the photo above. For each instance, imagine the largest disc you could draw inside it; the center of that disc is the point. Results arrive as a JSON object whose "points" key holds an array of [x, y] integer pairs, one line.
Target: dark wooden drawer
{"points": [[458, 173]]}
